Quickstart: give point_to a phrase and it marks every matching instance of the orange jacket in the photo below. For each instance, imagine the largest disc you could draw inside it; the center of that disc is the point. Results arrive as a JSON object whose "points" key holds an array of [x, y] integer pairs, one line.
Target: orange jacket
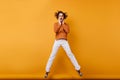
{"points": [[61, 30]]}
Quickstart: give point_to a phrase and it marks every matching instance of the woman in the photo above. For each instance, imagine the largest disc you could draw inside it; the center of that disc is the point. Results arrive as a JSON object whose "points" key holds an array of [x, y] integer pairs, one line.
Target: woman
{"points": [[61, 30]]}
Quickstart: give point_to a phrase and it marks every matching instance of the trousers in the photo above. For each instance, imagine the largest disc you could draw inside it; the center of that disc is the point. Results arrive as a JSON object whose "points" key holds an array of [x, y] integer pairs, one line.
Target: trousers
{"points": [[66, 47]]}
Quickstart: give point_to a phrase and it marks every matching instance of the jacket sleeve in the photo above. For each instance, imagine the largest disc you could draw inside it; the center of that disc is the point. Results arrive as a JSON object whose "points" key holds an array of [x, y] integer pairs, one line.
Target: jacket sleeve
{"points": [[66, 28], [56, 28]]}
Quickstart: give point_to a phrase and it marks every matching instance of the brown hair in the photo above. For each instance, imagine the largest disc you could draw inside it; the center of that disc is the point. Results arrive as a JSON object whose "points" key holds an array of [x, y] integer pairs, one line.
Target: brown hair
{"points": [[58, 12]]}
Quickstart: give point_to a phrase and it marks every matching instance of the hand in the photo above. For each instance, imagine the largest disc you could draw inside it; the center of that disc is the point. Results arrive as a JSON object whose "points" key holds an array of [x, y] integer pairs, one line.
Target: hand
{"points": [[61, 21]]}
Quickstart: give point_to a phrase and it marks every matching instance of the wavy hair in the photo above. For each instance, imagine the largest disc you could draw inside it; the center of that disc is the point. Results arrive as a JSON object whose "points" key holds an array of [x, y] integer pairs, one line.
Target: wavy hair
{"points": [[58, 12]]}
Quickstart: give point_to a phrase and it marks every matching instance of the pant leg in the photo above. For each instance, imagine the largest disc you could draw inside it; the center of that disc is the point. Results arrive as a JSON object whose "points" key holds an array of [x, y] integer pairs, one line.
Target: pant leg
{"points": [[52, 56], [71, 56]]}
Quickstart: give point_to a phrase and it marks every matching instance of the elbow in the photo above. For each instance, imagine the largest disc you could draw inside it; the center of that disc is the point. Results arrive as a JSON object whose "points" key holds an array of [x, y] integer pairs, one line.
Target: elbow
{"points": [[55, 31], [67, 31]]}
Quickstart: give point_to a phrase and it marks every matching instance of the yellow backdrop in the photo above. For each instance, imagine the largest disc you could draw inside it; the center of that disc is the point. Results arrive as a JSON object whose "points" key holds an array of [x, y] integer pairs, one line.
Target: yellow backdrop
{"points": [[27, 37]]}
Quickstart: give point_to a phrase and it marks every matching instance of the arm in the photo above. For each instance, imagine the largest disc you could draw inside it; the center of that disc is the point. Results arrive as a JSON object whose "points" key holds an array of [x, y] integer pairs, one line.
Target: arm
{"points": [[56, 28], [66, 28]]}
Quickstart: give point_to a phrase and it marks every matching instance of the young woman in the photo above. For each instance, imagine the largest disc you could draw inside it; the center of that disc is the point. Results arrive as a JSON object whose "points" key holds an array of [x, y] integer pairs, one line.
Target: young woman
{"points": [[61, 30]]}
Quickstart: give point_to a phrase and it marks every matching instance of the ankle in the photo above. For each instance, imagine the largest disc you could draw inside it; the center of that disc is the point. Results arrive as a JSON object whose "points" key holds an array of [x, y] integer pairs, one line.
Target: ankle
{"points": [[78, 71], [47, 73]]}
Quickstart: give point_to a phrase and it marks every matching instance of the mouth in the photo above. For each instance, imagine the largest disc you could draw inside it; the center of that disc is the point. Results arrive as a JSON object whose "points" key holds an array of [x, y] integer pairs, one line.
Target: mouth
{"points": [[61, 18]]}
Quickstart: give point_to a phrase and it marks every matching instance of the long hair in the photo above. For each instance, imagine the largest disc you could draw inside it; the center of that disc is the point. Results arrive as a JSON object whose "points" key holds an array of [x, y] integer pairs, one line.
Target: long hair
{"points": [[58, 12]]}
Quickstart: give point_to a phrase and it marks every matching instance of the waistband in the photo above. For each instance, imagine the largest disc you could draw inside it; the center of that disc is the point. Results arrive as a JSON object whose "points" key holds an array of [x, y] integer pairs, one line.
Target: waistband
{"points": [[62, 39]]}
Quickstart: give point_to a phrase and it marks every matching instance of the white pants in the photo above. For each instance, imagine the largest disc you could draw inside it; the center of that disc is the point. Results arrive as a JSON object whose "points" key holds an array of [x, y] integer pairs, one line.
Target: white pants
{"points": [[68, 51]]}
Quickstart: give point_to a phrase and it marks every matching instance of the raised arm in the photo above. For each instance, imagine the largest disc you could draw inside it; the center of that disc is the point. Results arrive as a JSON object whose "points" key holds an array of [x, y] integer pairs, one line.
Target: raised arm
{"points": [[66, 28], [56, 28]]}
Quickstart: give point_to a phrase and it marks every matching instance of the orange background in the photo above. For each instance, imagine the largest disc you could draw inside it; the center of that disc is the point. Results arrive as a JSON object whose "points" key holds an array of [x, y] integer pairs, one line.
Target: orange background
{"points": [[27, 37]]}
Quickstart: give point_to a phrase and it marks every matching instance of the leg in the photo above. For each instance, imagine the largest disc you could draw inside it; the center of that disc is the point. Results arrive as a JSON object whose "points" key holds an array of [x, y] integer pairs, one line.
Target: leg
{"points": [[52, 56], [69, 53]]}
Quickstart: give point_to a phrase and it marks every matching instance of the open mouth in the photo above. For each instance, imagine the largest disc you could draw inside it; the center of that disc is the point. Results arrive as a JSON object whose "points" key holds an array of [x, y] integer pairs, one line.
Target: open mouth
{"points": [[61, 19]]}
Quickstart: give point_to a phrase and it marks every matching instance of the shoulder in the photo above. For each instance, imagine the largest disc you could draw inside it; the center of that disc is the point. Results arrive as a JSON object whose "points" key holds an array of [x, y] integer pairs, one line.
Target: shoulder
{"points": [[56, 23], [66, 24]]}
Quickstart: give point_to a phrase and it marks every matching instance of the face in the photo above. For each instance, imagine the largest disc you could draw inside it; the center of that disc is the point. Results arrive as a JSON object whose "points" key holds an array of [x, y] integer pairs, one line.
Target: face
{"points": [[61, 17]]}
